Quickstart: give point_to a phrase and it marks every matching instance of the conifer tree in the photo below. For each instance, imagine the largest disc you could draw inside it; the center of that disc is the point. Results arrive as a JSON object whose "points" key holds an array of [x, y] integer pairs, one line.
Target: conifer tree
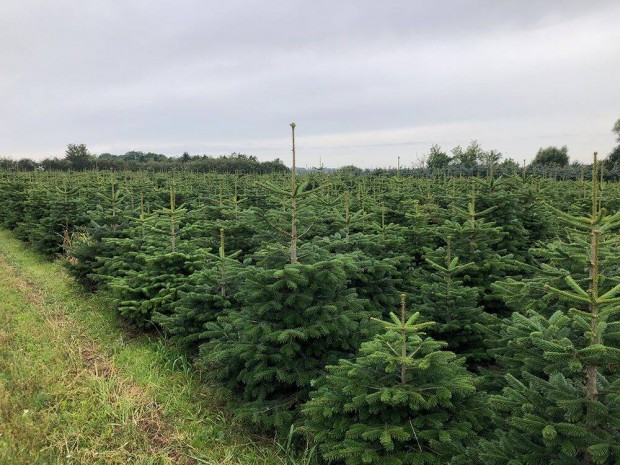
{"points": [[157, 262], [378, 274], [402, 400], [206, 295], [419, 232], [91, 245], [441, 297], [563, 408], [53, 213], [513, 210], [14, 193], [477, 241], [291, 322]]}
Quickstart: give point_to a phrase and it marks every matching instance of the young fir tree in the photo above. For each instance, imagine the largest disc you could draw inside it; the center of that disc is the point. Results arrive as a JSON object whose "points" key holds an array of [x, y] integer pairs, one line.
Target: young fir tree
{"points": [[418, 232], [33, 211], [207, 294], [477, 241], [292, 319], [349, 221], [291, 322], [159, 258], [564, 408], [441, 297], [229, 211], [402, 400], [379, 272], [14, 192], [51, 213], [91, 245], [513, 209]]}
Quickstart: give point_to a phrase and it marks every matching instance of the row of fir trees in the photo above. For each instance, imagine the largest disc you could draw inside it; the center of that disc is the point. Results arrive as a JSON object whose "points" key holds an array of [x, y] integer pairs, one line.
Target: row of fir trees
{"points": [[392, 320]]}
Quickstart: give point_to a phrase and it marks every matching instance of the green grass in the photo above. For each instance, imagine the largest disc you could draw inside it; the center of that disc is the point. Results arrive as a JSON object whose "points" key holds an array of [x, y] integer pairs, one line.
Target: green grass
{"points": [[77, 387]]}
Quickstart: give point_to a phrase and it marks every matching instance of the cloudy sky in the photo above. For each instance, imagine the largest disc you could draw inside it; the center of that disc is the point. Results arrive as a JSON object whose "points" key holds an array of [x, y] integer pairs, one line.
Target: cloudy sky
{"points": [[365, 81]]}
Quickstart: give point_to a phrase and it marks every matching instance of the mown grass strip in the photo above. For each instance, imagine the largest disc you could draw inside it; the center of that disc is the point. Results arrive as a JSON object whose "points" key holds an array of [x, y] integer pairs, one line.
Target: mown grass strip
{"points": [[76, 387]]}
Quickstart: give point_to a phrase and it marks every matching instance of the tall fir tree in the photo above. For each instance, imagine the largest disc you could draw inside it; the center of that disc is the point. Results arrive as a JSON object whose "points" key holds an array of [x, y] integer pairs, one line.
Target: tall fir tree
{"points": [[564, 408]]}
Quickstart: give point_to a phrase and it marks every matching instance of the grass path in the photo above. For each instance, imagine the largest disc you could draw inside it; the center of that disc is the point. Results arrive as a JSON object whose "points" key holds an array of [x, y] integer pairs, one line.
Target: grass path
{"points": [[78, 388]]}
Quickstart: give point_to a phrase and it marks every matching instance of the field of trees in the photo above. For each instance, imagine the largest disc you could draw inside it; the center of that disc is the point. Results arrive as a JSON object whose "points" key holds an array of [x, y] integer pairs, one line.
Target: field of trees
{"points": [[390, 319]]}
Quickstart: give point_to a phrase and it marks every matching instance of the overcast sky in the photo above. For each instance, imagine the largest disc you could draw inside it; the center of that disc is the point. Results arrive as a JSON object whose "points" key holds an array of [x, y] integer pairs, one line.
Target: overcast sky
{"points": [[365, 81]]}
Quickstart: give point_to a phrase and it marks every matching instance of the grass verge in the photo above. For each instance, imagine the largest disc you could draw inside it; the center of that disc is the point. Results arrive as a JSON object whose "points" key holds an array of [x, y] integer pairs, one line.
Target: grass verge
{"points": [[77, 388]]}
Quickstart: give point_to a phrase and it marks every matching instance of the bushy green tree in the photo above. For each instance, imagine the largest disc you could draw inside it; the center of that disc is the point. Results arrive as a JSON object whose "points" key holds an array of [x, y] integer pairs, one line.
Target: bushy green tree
{"points": [[89, 246], [291, 321], [79, 157], [552, 156], [206, 294], [50, 215], [437, 158], [379, 272], [477, 241], [561, 405], [442, 298], [402, 400], [469, 157], [156, 262]]}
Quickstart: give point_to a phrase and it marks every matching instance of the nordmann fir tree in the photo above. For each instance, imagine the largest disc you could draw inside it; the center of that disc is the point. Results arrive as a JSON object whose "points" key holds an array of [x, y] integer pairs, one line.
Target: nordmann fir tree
{"points": [[33, 209], [51, 214], [377, 275], [512, 205], [292, 319], [402, 400], [13, 191], [442, 297], [162, 261], [91, 245], [567, 411], [418, 231], [207, 293], [475, 240]]}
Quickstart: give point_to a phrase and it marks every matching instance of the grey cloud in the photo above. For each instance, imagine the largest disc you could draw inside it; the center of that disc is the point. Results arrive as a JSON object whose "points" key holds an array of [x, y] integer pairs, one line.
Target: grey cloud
{"points": [[223, 76]]}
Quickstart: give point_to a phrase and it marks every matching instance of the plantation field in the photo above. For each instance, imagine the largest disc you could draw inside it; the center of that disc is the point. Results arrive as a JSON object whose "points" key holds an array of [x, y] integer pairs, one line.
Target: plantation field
{"points": [[76, 387], [384, 319]]}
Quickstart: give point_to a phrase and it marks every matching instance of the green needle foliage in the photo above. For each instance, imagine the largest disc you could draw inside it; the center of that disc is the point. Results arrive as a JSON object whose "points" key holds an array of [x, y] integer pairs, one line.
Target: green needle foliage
{"points": [[442, 297], [563, 406], [90, 246], [207, 293], [291, 322], [402, 400], [162, 261]]}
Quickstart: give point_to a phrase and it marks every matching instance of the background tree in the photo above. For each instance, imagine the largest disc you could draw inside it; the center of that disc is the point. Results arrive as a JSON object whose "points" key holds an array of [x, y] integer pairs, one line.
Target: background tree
{"points": [[489, 159], [437, 158], [552, 156], [469, 157], [613, 159], [79, 157]]}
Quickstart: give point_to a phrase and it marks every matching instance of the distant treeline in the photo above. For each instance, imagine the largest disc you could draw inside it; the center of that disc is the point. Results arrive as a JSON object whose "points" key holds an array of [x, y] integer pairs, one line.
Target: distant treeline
{"points": [[549, 162], [78, 158]]}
